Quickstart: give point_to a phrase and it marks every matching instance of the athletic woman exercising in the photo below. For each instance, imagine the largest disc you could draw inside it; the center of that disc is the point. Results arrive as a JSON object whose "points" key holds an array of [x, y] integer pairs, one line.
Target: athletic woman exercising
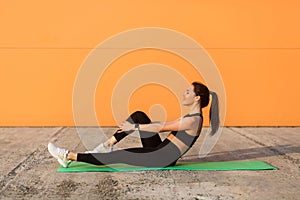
{"points": [[184, 132]]}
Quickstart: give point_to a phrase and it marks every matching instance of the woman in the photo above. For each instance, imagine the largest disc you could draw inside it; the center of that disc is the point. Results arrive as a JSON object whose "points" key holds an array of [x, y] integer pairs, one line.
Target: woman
{"points": [[155, 152]]}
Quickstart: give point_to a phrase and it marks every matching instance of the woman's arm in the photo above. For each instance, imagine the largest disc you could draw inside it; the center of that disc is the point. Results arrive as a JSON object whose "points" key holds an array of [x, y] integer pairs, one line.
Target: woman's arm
{"points": [[176, 125]]}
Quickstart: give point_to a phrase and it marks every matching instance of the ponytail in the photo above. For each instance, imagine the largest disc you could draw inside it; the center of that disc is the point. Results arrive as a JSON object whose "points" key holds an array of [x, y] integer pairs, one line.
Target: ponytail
{"points": [[214, 113]]}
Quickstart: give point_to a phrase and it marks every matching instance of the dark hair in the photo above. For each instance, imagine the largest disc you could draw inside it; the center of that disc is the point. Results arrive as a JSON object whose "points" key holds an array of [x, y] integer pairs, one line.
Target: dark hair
{"points": [[202, 91]]}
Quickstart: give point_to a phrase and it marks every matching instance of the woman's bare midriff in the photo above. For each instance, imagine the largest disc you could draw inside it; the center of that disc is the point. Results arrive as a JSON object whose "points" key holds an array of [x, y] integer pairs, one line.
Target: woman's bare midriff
{"points": [[181, 146]]}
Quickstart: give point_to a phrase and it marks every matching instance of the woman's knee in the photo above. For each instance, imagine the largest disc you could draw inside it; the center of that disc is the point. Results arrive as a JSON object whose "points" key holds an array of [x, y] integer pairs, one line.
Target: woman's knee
{"points": [[139, 117]]}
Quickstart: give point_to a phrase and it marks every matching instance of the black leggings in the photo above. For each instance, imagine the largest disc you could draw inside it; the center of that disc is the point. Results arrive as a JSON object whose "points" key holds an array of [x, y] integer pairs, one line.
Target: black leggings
{"points": [[154, 153]]}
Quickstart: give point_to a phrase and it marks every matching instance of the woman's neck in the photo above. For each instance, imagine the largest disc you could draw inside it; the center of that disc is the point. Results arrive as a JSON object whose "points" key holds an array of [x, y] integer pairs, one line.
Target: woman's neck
{"points": [[195, 108]]}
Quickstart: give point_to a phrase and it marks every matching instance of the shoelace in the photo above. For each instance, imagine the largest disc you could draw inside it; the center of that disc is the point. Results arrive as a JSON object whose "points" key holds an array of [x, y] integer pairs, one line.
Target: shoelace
{"points": [[62, 153]]}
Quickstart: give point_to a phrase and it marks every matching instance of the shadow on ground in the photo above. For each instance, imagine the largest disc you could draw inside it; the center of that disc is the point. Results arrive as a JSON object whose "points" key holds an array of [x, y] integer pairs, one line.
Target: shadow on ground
{"points": [[248, 154]]}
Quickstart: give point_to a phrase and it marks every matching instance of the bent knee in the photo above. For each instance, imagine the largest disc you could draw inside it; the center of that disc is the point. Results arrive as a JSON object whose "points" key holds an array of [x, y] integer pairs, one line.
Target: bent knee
{"points": [[140, 117]]}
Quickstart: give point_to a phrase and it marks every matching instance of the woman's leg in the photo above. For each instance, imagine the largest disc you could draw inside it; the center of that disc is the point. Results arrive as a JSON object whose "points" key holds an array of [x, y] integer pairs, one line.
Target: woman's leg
{"points": [[165, 155], [148, 139]]}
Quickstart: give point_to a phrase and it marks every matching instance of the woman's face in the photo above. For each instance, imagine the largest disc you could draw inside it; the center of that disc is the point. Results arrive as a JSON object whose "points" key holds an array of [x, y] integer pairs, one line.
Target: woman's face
{"points": [[189, 96]]}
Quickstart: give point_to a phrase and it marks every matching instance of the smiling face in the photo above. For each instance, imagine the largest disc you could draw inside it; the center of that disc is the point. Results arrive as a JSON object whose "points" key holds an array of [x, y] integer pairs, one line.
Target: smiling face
{"points": [[189, 96]]}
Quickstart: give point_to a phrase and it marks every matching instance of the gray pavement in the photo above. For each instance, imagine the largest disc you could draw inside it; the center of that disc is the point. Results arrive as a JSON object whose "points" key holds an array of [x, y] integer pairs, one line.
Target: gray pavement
{"points": [[29, 172]]}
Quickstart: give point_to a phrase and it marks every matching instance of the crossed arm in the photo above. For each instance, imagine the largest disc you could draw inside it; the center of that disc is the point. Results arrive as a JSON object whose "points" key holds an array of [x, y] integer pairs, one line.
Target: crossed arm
{"points": [[176, 125]]}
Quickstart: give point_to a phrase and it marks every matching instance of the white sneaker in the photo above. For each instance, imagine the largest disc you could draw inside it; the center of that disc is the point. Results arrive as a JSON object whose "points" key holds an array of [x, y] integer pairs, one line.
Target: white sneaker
{"points": [[59, 154], [101, 149]]}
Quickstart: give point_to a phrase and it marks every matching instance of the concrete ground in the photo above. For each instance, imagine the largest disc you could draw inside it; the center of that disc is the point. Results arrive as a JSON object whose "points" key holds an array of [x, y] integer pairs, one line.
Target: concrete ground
{"points": [[29, 172]]}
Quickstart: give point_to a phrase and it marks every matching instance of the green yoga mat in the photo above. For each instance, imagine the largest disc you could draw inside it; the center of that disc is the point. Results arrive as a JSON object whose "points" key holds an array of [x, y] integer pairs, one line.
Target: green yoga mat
{"points": [[221, 166]]}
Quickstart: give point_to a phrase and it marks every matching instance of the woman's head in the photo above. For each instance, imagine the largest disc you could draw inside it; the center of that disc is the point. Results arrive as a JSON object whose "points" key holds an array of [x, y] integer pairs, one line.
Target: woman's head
{"points": [[196, 93], [199, 93]]}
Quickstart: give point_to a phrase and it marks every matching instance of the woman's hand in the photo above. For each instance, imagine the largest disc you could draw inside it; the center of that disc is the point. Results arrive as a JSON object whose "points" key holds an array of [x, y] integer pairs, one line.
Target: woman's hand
{"points": [[126, 126]]}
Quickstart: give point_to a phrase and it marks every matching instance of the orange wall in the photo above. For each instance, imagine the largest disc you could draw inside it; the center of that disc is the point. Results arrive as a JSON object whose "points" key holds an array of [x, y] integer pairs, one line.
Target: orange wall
{"points": [[256, 46]]}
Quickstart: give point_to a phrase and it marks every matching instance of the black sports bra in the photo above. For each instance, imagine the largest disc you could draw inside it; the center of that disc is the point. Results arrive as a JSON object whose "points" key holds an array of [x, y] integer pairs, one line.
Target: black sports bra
{"points": [[183, 136]]}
